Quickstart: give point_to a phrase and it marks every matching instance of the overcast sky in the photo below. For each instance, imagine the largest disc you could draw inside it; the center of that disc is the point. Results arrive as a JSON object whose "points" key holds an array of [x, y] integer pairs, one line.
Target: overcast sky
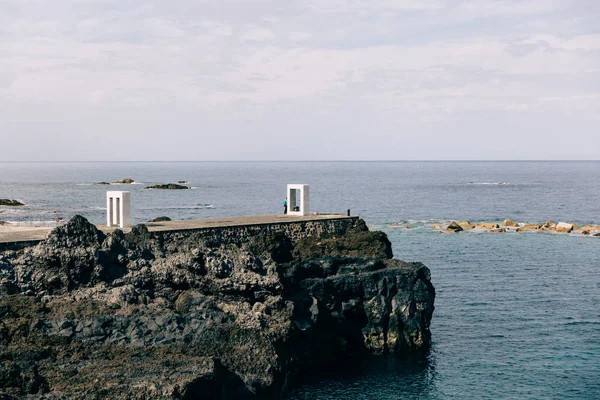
{"points": [[299, 80]]}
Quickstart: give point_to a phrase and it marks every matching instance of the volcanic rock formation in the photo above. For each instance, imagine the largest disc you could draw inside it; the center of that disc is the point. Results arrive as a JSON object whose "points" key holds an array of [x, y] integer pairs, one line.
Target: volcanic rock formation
{"points": [[201, 314]]}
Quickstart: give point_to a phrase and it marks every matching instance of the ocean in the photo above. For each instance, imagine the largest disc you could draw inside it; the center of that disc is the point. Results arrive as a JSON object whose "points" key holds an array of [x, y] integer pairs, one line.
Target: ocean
{"points": [[517, 314]]}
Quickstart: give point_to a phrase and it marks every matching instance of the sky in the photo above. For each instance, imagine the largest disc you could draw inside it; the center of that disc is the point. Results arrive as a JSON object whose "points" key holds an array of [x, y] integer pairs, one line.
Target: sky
{"points": [[299, 80]]}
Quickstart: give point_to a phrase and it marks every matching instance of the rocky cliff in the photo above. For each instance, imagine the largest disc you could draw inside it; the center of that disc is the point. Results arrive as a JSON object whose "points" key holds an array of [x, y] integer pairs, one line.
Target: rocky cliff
{"points": [[214, 314]]}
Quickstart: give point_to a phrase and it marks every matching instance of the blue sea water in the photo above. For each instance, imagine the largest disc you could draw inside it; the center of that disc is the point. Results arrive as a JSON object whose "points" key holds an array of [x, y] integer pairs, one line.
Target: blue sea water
{"points": [[517, 314]]}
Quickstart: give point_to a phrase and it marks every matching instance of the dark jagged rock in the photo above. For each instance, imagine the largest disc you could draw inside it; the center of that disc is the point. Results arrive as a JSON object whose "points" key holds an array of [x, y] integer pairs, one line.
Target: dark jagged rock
{"points": [[102, 183], [11, 203], [161, 219], [168, 186], [222, 314], [454, 227]]}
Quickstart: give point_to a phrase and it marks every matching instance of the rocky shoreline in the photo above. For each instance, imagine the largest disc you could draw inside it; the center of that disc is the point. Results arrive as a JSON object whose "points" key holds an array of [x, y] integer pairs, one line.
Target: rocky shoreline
{"points": [[509, 226], [214, 314]]}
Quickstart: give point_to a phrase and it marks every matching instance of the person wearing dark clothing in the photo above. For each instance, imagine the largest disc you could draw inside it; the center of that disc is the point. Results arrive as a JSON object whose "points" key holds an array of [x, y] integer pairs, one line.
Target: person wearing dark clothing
{"points": [[285, 205]]}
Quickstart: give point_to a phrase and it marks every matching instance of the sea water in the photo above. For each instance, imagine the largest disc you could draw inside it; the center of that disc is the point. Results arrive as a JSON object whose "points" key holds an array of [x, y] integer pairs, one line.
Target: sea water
{"points": [[517, 314]]}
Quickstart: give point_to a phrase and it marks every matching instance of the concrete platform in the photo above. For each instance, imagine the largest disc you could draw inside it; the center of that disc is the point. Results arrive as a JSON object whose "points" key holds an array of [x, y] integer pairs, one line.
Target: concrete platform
{"points": [[15, 234]]}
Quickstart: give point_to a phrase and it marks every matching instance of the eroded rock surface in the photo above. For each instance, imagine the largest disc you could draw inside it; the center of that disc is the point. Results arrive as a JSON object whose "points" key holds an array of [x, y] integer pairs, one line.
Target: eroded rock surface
{"points": [[197, 314]]}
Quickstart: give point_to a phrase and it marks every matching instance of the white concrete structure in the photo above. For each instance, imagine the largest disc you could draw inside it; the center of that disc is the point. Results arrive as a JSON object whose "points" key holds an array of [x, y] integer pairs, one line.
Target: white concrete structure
{"points": [[118, 209], [297, 196]]}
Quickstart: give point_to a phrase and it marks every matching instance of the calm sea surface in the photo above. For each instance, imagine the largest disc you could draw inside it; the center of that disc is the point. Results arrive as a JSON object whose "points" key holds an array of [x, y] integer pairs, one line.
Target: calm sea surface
{"points": [[517, 314]]}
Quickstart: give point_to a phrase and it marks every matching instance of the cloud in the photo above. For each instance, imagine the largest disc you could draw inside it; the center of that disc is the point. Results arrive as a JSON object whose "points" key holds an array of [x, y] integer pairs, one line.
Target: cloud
{"points": [[332, 61], [257, 34]]}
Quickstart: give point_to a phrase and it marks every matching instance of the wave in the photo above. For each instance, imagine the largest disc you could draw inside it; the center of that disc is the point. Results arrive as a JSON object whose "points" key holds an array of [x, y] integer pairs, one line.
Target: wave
{"points": [[38, 223], [582, 323], [488, 183], [196, 207]]}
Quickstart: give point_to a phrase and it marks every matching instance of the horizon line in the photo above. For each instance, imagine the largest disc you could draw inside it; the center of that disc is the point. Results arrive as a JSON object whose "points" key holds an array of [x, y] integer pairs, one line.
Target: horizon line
{"points": [[289, 161]]}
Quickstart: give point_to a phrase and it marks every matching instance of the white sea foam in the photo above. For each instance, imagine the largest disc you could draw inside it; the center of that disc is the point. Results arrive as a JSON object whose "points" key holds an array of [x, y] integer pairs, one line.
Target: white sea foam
{"points": [[42, 223]]}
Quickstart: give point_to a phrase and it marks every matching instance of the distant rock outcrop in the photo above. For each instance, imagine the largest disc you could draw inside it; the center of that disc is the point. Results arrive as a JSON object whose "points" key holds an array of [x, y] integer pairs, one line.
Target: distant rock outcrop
{"points": [[126, 181], [161, 219], [168, 186], [11, 203]]}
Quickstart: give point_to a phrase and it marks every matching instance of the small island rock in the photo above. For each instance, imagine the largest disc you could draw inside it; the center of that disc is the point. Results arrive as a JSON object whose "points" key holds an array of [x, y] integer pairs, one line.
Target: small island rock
{"points": [[126, 181], [509, 223], [161, 219], [169, 186], [11, 203]]}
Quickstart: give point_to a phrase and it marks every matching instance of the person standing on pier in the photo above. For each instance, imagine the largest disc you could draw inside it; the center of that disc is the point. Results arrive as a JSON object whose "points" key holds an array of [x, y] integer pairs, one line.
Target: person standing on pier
{"points": [[285, 205]]}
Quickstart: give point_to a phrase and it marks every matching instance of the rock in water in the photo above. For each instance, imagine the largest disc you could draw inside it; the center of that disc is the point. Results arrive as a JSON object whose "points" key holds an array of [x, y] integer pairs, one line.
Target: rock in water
{"points": [[509, 223], [466, 225], [529, 227], [564, 227], [548, 225], [487, 225], [11, 203], [454, 227], [226, 313], [127, 181], [167, 186], [161, 219]]}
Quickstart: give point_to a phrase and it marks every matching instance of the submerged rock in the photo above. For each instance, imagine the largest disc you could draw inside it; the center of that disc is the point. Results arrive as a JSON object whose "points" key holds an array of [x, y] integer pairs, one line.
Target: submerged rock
{"points": [[11, 203], [218, 314], [167, 186], [102, 183]]}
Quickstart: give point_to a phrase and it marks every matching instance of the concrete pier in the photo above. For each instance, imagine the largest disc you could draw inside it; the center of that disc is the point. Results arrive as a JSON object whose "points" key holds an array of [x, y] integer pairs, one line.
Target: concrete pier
{"points": [[19, 236]]}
